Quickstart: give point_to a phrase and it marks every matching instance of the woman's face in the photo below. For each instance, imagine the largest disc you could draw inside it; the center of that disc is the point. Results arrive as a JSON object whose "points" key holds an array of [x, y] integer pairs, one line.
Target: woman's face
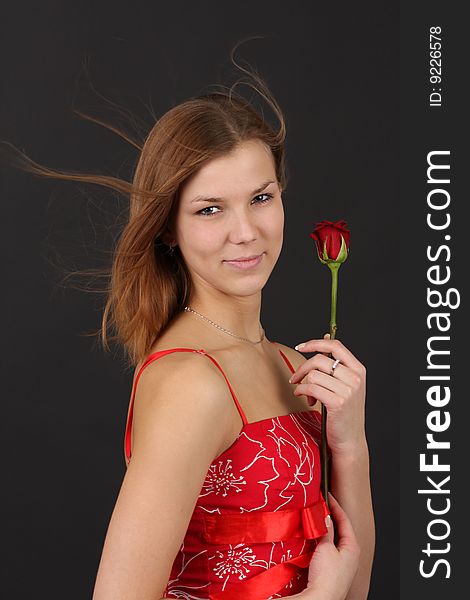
{"points": [[242, 216]]}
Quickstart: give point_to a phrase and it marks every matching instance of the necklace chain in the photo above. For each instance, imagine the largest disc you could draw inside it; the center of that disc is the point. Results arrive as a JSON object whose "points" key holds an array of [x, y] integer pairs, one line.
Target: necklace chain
{"points": [[188, 309]]}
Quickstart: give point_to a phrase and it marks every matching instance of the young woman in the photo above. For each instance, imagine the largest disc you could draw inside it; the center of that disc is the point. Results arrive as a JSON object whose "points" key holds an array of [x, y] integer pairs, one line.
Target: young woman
{"points": [[221, 498]]}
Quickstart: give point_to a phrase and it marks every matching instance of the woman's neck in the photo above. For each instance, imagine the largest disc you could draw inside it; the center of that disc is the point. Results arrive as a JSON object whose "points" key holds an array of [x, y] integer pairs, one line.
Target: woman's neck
{"points": [[239, 316]]}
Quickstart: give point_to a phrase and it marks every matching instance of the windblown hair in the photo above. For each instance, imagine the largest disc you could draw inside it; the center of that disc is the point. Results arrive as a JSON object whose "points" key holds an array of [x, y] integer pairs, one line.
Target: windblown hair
{"points": [[147, 285]]}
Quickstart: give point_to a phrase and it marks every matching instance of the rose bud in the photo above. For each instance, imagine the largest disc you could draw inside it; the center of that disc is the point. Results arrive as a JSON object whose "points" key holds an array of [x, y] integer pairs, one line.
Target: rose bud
{"points": [[332, 241]]}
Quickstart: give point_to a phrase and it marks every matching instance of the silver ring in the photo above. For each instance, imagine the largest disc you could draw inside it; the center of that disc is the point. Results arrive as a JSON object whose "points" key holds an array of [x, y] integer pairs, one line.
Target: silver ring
{"points": [[335, 364]]}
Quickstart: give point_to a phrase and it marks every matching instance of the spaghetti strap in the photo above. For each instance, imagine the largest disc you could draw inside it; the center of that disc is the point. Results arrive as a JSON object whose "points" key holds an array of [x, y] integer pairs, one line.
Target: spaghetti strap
{"points": [[154, 356], [240, 409], [286, 360]]}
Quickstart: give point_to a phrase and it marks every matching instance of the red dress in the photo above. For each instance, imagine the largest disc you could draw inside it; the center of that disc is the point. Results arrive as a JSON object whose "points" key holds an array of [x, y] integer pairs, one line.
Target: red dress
{"points": [[259, 513]]}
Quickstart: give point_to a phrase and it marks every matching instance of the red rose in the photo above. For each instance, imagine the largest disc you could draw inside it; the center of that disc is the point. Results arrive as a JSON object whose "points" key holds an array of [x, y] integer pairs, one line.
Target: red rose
{"points": [[332, 240]]}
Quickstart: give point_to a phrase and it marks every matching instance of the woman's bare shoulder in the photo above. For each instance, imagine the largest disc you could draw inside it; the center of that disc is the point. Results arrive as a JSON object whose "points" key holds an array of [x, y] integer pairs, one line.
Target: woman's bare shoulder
{"points": [[180, 368], [173, 338], [183, 388]]}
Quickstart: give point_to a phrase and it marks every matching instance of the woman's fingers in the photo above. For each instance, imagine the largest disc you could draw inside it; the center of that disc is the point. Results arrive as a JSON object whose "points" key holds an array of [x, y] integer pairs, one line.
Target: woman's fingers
{"points": [[318, 392], [333, 384], [329, 536], [323, 364], [335, 347]]}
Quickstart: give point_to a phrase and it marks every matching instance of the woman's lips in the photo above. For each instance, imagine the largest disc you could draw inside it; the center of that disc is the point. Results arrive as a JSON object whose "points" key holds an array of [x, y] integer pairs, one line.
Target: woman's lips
{"points": [[245, 264]]}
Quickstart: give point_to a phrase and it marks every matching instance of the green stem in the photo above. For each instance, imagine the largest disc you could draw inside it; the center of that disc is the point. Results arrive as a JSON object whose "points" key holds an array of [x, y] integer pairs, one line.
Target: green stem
{"points": [[334, 268]]}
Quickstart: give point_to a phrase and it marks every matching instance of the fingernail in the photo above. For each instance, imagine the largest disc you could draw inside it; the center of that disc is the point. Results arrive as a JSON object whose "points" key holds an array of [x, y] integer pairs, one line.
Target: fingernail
{"points": [[328, 521], [299, 346]]}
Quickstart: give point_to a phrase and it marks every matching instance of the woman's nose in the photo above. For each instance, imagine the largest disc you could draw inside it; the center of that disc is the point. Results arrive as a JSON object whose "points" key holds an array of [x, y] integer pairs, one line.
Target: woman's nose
{"points": [[243, 228]]}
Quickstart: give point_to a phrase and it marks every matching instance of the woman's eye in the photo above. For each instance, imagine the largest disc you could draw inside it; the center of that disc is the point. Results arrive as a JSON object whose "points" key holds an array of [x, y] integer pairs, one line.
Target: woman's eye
{"points": [[202, 212], [268, 197], [206, 214]]}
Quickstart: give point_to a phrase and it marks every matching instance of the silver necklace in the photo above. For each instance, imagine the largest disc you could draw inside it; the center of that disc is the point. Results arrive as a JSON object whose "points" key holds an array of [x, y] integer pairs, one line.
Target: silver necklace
{"points": [[188, 309]]}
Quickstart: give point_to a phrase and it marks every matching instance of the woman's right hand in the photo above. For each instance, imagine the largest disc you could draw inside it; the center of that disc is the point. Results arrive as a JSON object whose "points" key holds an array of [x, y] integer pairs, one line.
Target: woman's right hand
{"points": [[332, 568]]}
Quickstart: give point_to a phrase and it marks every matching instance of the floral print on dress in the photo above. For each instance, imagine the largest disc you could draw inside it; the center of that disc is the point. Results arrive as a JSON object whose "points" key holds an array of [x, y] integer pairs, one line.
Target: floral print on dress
{"points": [[221, 478], [273, 465], [248, 464], [235, 560]]}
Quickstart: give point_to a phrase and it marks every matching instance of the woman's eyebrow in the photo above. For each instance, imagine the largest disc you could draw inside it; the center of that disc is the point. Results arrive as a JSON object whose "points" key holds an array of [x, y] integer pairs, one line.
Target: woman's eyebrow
{"points": [[207, 199]]}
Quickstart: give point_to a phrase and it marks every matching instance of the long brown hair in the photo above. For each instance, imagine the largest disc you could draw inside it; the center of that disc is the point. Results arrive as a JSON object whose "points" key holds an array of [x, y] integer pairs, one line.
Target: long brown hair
{"points": [[147, 285]]}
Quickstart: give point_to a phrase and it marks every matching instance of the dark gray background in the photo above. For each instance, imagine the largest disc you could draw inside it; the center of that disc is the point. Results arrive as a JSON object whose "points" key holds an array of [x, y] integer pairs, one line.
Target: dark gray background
{"points": [[334, 70]]}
